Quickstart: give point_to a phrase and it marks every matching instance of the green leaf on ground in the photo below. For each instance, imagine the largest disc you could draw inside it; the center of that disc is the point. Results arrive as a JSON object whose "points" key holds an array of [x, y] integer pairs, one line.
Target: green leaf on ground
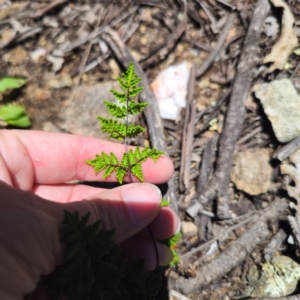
{"points": [[11, 83]]}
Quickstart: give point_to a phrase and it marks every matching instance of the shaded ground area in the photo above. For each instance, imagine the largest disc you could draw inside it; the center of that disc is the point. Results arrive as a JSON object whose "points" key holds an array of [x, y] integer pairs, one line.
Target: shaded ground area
{"points": [[230, 187]]}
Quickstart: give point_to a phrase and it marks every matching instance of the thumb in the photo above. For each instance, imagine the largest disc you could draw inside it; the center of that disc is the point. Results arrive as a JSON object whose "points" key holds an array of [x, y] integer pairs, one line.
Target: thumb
{"points": [[128, 208]]}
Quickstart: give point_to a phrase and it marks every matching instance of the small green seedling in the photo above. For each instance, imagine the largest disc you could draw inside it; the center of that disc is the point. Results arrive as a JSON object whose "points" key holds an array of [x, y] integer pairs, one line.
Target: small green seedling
{"points": [[13, 115], [131, 162], [93, 269], [8, 82]]}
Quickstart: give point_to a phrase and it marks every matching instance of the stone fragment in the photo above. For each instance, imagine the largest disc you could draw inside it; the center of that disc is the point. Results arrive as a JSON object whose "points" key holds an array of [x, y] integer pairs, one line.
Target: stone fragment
{"points": [[170, 90], [188, 228], [251, 171], [81, 115], [277, 278], [281, 104]]}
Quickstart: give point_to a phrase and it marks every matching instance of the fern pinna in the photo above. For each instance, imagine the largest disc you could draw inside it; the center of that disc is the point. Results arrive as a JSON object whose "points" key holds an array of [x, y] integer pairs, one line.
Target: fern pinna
{"points": [[131, 162]]}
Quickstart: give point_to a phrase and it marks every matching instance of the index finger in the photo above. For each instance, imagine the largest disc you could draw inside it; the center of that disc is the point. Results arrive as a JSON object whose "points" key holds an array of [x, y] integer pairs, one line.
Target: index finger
{"points": [[59, 157]]}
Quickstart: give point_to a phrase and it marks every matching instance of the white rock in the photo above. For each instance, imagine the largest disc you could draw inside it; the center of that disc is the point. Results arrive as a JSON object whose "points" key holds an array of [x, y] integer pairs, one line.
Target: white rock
{"points": [[281, 104], [37, 53], [170, 90]]}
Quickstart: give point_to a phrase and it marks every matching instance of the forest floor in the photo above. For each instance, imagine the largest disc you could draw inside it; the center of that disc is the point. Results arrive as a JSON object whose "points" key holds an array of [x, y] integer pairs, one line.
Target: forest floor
{"points": [[233, 142]]}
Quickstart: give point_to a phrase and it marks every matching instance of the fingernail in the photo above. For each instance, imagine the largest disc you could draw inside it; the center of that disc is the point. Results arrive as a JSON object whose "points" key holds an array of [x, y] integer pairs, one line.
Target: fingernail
{"points": [[142, 201]]}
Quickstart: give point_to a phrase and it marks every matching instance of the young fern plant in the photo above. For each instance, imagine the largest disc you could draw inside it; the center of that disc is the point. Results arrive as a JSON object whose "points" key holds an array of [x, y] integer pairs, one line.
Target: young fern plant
{"points": [[92, 268], [131, 162]]}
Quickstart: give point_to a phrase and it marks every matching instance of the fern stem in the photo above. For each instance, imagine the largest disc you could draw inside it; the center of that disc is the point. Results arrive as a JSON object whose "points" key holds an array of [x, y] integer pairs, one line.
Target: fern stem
{"points": [[130, 175], [126, 135]]}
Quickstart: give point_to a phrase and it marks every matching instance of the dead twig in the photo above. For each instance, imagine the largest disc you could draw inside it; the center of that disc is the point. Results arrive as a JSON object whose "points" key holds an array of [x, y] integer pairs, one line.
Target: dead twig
{"points": [[249, 135], [77, 43], [187, 136], [206, 169], [232, 6], [287, 149], [212, 111], [275, 244], [48, 7], [221, 237], [155, 126], [235, 253], [23, 36], [216, 50], [162, 51], [213, 21], [218, 185]]}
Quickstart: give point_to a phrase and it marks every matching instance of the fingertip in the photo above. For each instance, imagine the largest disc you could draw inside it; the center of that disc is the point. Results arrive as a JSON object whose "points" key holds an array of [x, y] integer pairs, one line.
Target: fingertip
{"points": [[142, 201]]}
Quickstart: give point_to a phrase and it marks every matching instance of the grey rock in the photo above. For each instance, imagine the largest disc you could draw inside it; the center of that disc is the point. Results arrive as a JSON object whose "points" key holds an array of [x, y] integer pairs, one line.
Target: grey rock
{"points": [[81, 116], [281, 104]]}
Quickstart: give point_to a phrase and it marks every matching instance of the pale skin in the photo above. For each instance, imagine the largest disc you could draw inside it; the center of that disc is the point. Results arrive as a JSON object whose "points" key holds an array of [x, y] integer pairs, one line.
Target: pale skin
{"points": [[34, 169]]}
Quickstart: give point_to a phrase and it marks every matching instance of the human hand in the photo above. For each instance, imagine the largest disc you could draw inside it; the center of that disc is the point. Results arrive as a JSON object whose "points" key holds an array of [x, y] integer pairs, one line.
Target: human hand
{"points": [[34, 167]]}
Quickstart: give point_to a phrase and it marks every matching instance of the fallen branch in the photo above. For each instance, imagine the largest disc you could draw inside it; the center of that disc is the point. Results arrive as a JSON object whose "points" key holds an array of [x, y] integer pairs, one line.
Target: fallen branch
{"points": [[287, 149], [221, 237], [48, 7], [187, 136], [155, 126], [218, 185], [235, 253], [22, 37]]}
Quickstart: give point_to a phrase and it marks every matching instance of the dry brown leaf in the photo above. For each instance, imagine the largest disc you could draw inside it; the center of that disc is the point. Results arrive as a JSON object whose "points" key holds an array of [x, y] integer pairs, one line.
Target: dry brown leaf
{"points": [[287, 41], [13, 9]]}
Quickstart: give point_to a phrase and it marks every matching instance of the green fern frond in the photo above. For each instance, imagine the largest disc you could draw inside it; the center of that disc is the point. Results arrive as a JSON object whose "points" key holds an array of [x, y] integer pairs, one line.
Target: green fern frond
{"points": [[134, 130], [135, 91], [120, 173], [121, 97], [98, 163], [95, 270], [104, 161], [154, 154], [130, 161], [123, 84], [108, 171], [135, 108], [116, 110], [164, 203], [129, 75], [115, 129], [135, 82], [137, 171], [125, 161]]}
